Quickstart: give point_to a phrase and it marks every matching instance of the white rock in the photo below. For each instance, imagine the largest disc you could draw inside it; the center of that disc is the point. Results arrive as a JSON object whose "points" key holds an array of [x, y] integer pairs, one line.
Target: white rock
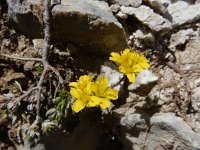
{"points": [[180, 37], [147, 16], [165, 2], [144, 78], [197, 82], [121, 15], [143, 38], [113, 76], [196, 94], [158, 6], [181, 13], [115, 8], [133, 3], [166, 129]]}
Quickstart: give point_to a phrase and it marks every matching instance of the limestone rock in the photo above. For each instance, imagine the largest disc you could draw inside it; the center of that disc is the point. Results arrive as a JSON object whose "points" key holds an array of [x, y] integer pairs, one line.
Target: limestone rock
{"points": [[143, 38], [181, 13], [158, 6], [121, 15], [115, 8], [145, 81], [114, 77], [27, 16], [133, 3], [148, 17], [165, 129], [197, 82], [88, 23], [176, 125], [191, 53], [180, 38]]}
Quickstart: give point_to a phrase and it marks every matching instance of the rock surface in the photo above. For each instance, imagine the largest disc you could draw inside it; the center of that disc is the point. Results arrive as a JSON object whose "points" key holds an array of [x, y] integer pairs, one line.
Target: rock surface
{"points": [[114, 77], [164, 130], [180, 38], [133, 3], [26, 16], [142, 38], [158, 6], [182, 13], [148, 18], [90, 24], [145, 81]]}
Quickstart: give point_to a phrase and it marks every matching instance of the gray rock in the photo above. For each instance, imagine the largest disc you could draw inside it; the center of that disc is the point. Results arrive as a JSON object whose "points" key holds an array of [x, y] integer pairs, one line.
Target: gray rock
{"points": [[158, 6], [143, 38], [121, 15], [27, 16], [133, 3], [148, 17], [162, 95], [115, 8], [178, 126], [145, 81], [96, 27], [88, 23], [114, 77], [164, 130], [180, 38], [196, 94], [197, 82], [181, 13], [190, 55], [166, 2], [133, 120]]}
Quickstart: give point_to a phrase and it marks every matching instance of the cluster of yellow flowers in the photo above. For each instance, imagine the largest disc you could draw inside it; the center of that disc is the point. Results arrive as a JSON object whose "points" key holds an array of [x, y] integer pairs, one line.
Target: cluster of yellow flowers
{"points": [[91, 94], [130, 63]]}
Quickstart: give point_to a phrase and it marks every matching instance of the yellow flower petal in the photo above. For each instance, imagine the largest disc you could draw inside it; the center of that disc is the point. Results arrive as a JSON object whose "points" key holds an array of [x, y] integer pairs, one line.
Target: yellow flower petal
{"points": [[78, 105], [111, 94], [74, 84], [94, 101], [105, 103], [136, 68], [131, 63], [75, 93], [94, 87], [145, 65], [131, 77], [115, 57], [103, 84]]}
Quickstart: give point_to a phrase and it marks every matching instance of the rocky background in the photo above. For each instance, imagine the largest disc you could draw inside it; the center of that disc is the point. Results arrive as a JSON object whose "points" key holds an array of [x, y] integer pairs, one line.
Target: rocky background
{"points": [[160, 111]]}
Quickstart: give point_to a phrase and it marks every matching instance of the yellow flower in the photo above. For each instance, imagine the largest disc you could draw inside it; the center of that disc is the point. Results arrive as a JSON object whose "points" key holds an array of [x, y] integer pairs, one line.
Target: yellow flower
{"points": [[102, 93], [91, 94], [130, 63], [81, 91]]}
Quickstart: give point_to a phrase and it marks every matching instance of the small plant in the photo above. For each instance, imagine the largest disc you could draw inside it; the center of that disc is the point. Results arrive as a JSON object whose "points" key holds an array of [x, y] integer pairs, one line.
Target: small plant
{"points": [[49, 126], [62, 105], [39, 69], [88, 93], [91, 94], [13, 88], [4, 114], [130, 63]]}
